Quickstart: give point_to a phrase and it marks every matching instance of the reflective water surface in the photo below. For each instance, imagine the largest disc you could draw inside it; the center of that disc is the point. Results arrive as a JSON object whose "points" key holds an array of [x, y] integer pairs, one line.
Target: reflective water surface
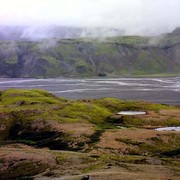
{"points": [[169, 129], [131, 113]]}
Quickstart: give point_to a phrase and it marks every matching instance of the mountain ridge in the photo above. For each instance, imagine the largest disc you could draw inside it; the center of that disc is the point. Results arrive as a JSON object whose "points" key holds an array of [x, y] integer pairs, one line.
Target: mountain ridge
{"points": [[91, 57]]}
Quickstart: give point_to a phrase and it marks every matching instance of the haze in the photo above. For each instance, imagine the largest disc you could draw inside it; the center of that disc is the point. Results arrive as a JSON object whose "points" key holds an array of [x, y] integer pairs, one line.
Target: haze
{"points": [[141, 17]]}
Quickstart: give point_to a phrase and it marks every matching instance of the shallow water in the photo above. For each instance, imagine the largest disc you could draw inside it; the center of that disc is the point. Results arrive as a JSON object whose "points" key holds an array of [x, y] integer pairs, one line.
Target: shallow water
{"points": [[177, 128], [161, 90], [131, 113]]}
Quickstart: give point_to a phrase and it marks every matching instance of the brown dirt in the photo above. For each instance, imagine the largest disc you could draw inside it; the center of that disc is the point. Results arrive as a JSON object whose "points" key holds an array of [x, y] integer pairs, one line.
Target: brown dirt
{"points": [[175, 113], [77, 128], [124, 172], [108, 142]]}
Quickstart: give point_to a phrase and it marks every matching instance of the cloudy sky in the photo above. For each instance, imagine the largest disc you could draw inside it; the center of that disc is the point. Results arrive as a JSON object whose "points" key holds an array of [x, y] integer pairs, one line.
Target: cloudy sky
{"points": [[134, 16]]}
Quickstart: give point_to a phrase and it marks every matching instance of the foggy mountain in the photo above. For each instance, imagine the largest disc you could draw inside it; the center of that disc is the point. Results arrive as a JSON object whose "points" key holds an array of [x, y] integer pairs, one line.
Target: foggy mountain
{"points": [[88, 57], [60, 32], [89, 38]]}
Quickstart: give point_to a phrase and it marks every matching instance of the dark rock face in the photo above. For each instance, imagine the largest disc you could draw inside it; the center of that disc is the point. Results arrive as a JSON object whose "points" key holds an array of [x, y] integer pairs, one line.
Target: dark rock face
{"points": [[77, 58]]}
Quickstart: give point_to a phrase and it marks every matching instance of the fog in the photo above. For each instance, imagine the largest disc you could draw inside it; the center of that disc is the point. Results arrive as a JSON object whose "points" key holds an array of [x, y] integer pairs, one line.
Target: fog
{"points": [[140, 17]]}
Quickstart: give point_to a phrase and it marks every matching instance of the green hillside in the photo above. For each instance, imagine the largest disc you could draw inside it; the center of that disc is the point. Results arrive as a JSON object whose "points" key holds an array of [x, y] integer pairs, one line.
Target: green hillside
{"points": [[91, 57], [42, 135]]}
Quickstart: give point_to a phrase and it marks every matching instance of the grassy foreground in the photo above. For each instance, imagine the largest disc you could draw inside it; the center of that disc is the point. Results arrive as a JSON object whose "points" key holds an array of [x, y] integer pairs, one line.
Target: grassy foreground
{"points": [[45, 136]]}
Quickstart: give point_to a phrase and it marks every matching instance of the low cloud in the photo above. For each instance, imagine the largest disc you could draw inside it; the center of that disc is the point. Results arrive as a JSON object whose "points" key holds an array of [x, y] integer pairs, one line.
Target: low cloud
{"points": [[141, 17]]}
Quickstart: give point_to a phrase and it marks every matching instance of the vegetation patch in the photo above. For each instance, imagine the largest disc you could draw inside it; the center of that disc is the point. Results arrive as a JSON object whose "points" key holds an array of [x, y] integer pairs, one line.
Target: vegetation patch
{"points": [[44, 123], [154, 146]]}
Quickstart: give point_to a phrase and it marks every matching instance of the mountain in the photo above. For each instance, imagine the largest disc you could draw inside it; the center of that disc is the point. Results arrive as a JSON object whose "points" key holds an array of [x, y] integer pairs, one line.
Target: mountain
{"points": [[86, 57]]}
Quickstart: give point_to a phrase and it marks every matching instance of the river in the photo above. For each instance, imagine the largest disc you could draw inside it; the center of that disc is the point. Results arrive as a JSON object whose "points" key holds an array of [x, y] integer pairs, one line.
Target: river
{"points": [[160, 90]]}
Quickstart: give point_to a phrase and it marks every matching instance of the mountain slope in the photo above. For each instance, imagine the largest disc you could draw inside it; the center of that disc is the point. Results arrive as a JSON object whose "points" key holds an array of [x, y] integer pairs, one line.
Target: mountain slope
{"points": [[115, 56]]}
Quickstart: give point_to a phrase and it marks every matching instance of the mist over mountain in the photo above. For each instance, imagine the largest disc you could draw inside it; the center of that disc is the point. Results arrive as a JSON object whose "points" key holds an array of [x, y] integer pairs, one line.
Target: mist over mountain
{"points": [[134, 17], [89, 57], [60, 32], [70, 38]]}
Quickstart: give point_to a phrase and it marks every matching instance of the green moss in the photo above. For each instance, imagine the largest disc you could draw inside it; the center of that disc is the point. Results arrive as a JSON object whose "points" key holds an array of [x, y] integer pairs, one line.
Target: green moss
{"points": [[155, 107], [144, 106], [131, 121], [110, 103], [171, 122], [13, 96], [123, 159], [22, 107], [93, 167], [155, 145], [85, 111]]}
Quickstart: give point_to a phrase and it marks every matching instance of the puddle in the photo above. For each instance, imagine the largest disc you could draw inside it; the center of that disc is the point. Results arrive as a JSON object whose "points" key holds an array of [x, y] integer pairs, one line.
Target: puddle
{"points": [[131, 113], [121, 127], [177, 128]]}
